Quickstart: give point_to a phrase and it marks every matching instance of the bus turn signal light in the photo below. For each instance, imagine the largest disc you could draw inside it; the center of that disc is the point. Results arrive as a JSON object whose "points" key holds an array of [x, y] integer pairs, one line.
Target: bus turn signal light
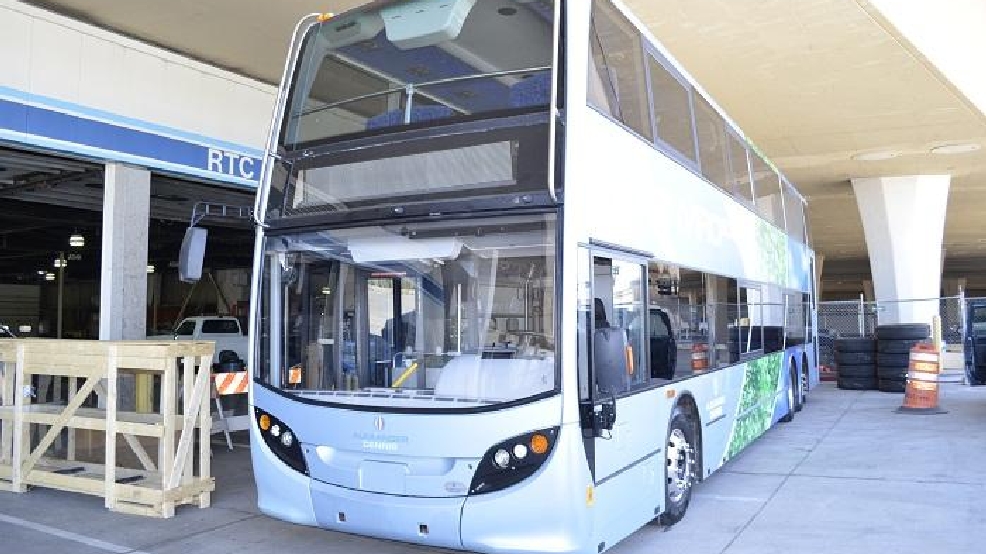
{"points": [[264, 422], [539, 444]]}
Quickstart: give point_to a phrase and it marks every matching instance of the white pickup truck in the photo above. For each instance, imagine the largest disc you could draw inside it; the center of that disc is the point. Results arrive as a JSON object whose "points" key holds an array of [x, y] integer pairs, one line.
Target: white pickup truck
{"points": [[225, 331]]}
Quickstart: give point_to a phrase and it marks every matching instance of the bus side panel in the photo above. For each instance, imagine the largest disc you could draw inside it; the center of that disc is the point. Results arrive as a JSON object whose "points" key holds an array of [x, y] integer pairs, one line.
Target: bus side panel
{"points": [[630, 487], [790, 358], [814, 377], [282, 492], [551, 511], [748, 394], [717, 395]]}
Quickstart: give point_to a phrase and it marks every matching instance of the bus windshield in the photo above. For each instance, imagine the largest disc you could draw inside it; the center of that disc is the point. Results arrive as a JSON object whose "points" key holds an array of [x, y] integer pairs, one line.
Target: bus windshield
{"points": [[419, 61], [437, 315]]}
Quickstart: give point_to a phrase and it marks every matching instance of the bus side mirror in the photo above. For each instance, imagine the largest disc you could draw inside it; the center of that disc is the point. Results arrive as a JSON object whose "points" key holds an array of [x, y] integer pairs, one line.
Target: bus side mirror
{"points": [[192, 254]]}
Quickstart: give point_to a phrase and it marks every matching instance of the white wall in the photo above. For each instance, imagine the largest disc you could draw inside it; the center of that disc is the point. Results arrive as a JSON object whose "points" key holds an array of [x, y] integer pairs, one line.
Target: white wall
{"points": [[56, 57]]}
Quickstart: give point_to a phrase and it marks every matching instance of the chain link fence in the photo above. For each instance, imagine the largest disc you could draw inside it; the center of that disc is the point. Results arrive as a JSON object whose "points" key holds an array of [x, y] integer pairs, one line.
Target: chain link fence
{"points": [[858, 318]]}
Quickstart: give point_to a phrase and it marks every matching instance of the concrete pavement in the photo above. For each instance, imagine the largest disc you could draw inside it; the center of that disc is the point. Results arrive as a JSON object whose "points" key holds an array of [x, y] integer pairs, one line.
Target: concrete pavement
{"points": [[847, 476]]}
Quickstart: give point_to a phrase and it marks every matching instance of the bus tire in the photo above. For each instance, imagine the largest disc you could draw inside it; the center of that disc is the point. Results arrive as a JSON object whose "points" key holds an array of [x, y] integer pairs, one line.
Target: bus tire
{"points": [[889, 346], [805, 379], [681, 455], [890, 359], [856, 371], [802, 397], [855, 358], [857, 383], [791, 396], [855, 345], [905, 331]]}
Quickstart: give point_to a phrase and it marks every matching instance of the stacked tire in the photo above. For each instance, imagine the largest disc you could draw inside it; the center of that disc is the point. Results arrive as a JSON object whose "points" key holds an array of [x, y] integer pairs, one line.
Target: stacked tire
{"points": [[855, 360], [894, 344]]}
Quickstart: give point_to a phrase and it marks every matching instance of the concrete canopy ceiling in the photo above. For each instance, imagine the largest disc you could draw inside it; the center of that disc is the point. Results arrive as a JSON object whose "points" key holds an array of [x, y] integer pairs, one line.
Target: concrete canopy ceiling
{"points": [[815, 82], [812, 82]]}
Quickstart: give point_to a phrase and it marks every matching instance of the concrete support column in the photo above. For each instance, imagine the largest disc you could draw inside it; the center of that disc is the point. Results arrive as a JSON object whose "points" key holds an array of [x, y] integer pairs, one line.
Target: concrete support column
{"points": [[903, 220], [123, 279]]}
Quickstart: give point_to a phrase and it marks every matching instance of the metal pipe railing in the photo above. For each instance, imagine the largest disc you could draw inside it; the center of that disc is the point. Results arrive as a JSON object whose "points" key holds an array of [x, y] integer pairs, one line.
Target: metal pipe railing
{"points": [[410, 88]]}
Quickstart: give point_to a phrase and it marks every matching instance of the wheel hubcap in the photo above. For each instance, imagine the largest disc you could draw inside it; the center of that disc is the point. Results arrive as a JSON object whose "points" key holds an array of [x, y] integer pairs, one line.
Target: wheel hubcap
{"points": [[681, 463]]}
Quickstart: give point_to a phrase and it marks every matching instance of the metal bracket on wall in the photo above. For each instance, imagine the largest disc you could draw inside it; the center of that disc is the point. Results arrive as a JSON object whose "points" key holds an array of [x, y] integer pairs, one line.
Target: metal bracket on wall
{"points": [[202, 210]]}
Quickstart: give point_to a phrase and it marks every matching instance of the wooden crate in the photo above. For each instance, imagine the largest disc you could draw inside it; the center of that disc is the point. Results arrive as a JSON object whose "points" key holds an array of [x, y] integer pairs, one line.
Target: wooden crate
{"points": [[94, 366]]}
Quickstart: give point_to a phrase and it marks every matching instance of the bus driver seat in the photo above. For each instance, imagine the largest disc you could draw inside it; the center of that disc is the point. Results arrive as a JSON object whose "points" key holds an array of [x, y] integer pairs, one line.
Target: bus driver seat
{"points": [[609, 357]]}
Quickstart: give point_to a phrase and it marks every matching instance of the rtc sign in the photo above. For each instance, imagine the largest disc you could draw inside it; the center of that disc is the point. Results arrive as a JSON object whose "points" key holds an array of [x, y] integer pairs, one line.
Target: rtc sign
{"points": [[102, 136], [232, 163]]}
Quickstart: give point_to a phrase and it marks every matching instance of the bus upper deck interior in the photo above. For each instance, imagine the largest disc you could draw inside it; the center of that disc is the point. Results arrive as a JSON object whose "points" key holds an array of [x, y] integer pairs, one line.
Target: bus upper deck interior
{"points": [[419, 62]]}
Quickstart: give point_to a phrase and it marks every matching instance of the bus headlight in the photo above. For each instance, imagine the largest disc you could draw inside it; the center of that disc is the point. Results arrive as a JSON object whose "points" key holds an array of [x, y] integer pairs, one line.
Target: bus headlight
{"points": [[281, 440], [501, 459], [513, 460], [520, 451]]}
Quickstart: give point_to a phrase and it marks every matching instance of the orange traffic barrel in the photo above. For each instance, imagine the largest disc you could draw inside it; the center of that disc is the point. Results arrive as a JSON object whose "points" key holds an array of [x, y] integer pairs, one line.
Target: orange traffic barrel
{"points": [[700, 357], [921, 391]]}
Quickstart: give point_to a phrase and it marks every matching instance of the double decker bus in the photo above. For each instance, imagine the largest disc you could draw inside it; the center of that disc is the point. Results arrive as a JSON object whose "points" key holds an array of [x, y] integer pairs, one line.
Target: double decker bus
{"points": [[519, 284]]}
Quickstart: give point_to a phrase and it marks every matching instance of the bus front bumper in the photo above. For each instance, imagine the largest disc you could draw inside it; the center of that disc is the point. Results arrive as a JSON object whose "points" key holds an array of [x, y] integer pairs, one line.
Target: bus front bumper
{"points": [[546, 513]]}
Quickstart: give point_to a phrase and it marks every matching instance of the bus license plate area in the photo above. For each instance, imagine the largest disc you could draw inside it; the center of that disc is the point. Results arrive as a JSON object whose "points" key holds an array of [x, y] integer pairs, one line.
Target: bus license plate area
{"points": [[385, 477], [421, 476], [430, 521]]}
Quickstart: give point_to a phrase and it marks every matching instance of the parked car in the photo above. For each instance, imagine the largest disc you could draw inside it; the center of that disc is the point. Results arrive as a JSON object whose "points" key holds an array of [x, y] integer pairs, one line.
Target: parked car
{"points": [[224, 330]]}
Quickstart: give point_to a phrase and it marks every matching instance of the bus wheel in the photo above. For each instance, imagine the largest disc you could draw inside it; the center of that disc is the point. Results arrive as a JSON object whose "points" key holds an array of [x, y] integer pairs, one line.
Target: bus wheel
{"points": [[792, 392], [803, 388], [679, 470]]}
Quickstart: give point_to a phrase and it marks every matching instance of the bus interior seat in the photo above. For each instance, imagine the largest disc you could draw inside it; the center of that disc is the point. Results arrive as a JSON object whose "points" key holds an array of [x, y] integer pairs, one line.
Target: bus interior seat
{"points": [[609, 358], [599, 311], [532, 91], [418, 113]]}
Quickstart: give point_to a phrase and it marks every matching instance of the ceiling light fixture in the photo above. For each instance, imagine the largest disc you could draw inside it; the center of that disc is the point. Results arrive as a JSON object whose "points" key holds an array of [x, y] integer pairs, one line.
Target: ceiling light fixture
{"points": [[60, 263], [77, 240], [957, 148], [877, 156], [49, 276], [150, 268]]}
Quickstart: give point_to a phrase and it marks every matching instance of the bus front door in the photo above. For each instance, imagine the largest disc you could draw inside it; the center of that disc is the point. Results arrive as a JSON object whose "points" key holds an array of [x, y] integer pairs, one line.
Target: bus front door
{"points": [[625, 459]]}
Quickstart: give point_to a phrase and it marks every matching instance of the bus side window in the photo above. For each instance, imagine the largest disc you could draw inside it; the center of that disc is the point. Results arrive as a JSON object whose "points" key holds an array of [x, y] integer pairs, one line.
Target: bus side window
{"points": [[619, 322], [663, 348]]}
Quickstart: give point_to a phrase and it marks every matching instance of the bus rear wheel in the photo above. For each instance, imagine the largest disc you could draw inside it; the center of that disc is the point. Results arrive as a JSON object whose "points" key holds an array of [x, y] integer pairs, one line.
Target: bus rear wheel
{"points": [[679, 469], [802, 388], [792, 394]]}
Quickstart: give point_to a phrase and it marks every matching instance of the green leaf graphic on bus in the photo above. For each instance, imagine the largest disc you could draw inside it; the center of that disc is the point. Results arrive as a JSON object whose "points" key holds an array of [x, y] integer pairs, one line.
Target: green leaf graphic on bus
{"points": [[774, 257], [756, 407]]}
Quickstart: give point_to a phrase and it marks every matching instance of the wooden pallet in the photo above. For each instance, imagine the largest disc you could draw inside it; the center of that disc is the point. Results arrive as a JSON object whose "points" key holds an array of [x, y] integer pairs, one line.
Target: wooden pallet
{"points": [[94, 366]]}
